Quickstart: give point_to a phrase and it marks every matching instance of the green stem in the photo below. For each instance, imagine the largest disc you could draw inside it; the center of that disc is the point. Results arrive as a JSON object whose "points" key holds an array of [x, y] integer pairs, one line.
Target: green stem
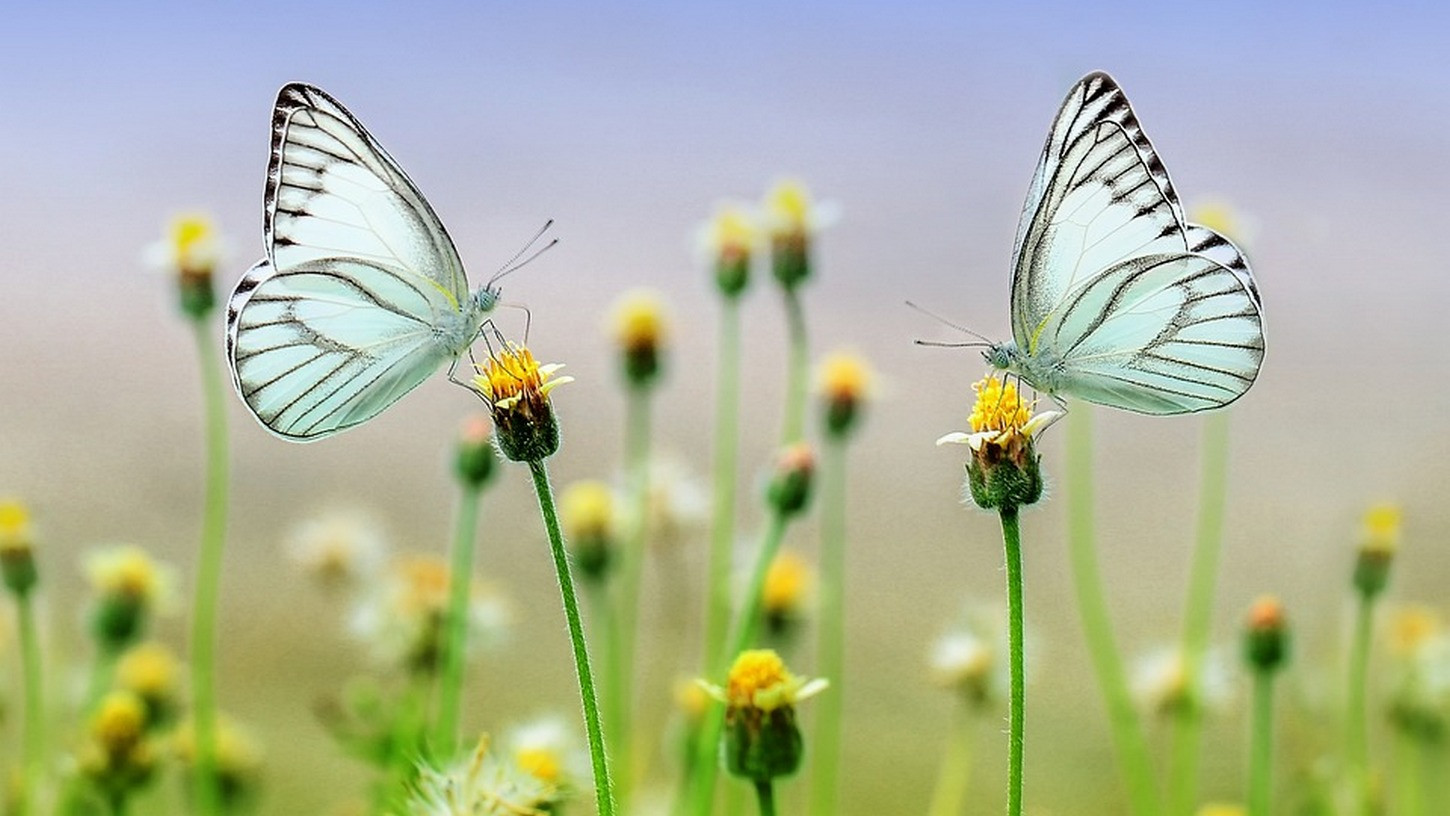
{"points": [[798, 375], [1016, 711], [460, 571], [831, 646], [1198, 612], [599, 759], [746, 623], [636, 453], [727, 444], [1410, 767], [956, 766], [209, 567], [1128, 742], [34, 701], [102, 670], [1261, 752], [765, 793], [1357, 730]]}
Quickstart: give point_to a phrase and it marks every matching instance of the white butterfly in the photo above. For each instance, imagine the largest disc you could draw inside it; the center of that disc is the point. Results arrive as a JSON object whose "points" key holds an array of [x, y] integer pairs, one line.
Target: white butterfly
{"points": [[362, 295], [1116, 298]]}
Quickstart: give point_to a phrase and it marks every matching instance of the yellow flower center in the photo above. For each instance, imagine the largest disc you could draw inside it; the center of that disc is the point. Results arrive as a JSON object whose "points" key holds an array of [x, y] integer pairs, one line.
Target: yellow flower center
{"points": [[999, 407], [731, 231], [1413, 627], [14, 524], [513, 375], [756, 678], [844, 378], [425, 583], [786, 582], [540, 763], [129, 572], [588, 509], [190, 231], [119, 721], [149, 670], [639, 321], [789, 207], [1382, 528]]}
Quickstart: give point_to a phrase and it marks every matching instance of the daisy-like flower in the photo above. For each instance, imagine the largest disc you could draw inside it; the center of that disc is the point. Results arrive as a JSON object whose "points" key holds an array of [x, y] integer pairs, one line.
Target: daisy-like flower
{"points": [[1420, 696], [727, 241], [762, 740], [639, 327], [402, 620], [792, 219], [677, 504], [845, 384], [130, 586], [549, 751], [516, 389], [152, 673], [17, 548], [338, 548], [117, 756], [1003, 470], [969, 659], [1379, 541], [789, 582], [478, 785], [586, 512], [1160, 682], [191, 250]]}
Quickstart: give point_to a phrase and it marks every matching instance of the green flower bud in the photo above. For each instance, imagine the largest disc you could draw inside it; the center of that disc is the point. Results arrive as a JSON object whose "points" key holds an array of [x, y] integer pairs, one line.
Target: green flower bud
{"points": [[790, 488], [1266, 635]]}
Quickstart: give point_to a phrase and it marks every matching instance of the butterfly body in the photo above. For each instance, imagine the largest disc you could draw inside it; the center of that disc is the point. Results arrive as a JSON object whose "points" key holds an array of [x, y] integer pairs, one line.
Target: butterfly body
{"points": [[362, 295], [1116, 298]]}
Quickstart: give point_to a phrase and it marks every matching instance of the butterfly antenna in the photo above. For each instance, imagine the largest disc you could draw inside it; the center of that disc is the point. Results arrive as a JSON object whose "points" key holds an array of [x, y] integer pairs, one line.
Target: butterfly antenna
{"points": [[514, 264], [939, 344], [942, 320]]}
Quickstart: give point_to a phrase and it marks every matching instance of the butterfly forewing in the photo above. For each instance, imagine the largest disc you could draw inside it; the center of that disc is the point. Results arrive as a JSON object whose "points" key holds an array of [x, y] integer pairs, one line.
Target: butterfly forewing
{"points": [[334, 192]]}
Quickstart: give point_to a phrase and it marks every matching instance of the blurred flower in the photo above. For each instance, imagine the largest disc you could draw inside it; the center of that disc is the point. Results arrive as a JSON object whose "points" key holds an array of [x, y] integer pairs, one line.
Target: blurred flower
{"points": [[1223, 218], [762, 740], [1004, 470], [792, 220], [474, 459], [586, 512], [339, 547], [968, 660], [516, 389], [1266, 635], [727, 241], [639, 328], [1420, 683], [402, 619], [693, 700], [1160, 682], [549, 751], [478, 785], [1411, 627], [1218, 809], [129, 588], [152, 673], [677, 503], [17, 554], [790, 486], [191, 251], [789, 582], [117, 757], [845, 384], [238, 759], [1379, 541]]}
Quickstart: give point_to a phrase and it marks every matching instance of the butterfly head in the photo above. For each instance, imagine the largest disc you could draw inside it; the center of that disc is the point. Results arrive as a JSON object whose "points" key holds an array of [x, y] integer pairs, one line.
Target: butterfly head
{"points": [[1001, 355], [486, 297]]}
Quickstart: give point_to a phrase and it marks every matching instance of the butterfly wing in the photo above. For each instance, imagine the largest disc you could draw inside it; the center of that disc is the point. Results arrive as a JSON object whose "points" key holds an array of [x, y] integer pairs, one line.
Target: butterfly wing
{"points": [[334, 192], [328, 344], [1129, 304]]}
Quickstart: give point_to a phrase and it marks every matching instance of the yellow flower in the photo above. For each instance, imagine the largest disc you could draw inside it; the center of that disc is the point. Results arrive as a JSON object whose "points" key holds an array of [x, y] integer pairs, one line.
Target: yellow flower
{"points": [[762, 740], [17, 555], [152, 673], [119, 722], [1382, 529], [760, 680], [1160, 682], [727, 241], [1003, 470], [548, 751], [238, 758], [639, 327], [792, 219], [128, 571], [788, 582], [586, 510], [845, 382], [1413, 626], [192, 246], [15, 532], [338, 547], [117, 757], [480, 785], [401, 619], [516, 389]]}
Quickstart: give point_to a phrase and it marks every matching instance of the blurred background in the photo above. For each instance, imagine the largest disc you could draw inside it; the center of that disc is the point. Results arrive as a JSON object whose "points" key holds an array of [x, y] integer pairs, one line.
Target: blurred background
{"points": [[1323, 127]]}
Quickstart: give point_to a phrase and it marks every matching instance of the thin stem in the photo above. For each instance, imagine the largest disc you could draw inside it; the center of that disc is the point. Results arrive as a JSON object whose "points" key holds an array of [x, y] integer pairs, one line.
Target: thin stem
{"points": [[34, 700], [102, 671], [1261, 752], [765, 794], [636, 454], [831, 646], [1128, 742], [599, 759], [1198, 612], [1016, 711], [455, 650], [209, 567], [727, 444], [746, 623], [1356, 726], [956, 766], [793, 428], [1410, 774]]}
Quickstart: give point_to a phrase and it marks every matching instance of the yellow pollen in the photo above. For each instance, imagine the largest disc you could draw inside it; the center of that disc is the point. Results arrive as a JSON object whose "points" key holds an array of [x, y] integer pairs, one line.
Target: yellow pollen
{"points": [[189, 230], [755, 671], [540, 763], [789, 206], [998, 407], [513, 376], [639, 321]]}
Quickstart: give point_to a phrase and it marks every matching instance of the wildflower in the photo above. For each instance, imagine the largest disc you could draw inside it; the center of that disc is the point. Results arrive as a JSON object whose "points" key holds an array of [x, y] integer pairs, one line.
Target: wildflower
{"points": [[727, 240], [676, 503], [479, 785], [338, 548], [17, 554], [117, 756], [152, 673], [1004, 469], [191, 250], [586, 511], [790, 487], [1266, 635], [238, 759], [968, 661], [845, 383], [547, 750], [474, 460], [788, 585], [792, 220], [129, 587], [693, 700], [403, 619], [1378, 543], [1420, 695], [762, 740], [516, 389], [639, 328], [1160, 682]]}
